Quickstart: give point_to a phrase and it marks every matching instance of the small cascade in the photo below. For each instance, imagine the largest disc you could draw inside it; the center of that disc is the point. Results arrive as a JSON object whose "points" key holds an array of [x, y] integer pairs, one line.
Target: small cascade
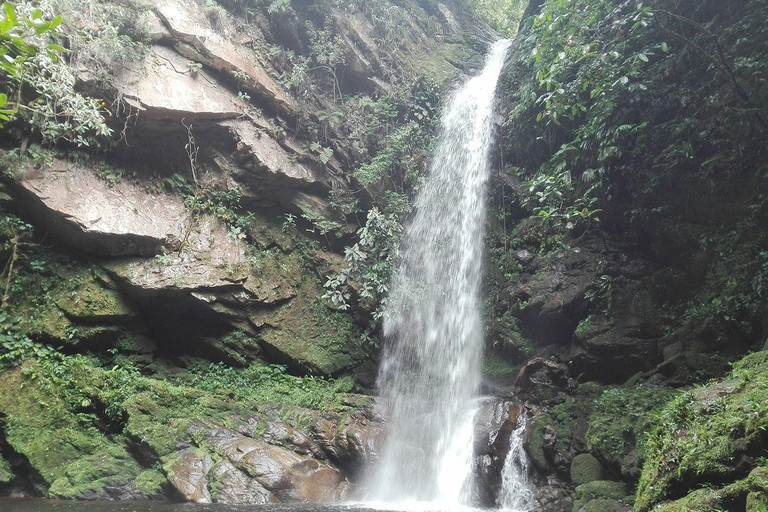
{"points": [[517, 492], [431, 363]]}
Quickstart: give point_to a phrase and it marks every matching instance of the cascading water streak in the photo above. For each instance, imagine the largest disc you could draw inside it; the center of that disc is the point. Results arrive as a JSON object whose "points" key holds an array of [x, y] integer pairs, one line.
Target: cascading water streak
{"points": [[517, 492], [431, 362]]}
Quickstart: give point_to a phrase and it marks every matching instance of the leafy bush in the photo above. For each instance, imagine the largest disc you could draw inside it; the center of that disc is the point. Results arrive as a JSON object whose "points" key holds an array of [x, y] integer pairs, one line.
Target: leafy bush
{"points": [[18, 36], [616, 88], [370, 265], [269, 383]]}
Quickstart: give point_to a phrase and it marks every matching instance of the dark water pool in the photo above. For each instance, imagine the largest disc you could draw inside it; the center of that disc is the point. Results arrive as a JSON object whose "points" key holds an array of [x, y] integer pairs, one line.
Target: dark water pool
{"points": [[40, 505]]}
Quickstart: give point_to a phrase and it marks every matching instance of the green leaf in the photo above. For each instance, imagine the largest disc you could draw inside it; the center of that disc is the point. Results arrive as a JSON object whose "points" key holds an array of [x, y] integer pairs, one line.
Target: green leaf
{"points": [[57, 48], [10, 13], [665, 47]]}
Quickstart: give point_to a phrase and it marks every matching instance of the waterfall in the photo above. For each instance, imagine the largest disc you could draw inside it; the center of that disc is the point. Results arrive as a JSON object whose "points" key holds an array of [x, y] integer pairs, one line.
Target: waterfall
{"points": [[517, 492], [430, 369]]}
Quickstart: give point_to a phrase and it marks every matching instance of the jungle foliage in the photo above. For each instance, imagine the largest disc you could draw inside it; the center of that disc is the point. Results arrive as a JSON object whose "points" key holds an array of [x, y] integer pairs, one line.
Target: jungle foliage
{"points": [[613, 101]]}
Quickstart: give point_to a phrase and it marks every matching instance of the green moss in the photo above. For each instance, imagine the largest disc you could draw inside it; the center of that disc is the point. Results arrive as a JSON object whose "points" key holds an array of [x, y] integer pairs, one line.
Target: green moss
{"points": [[698, 437], [6, 471], [757, 501], [87, 476], [160, 414], [92, 302], [440, 65], [322, 341], [586, 468], [599, 505], [536, 440], [601, 489], [747, 494], [68, 451], [151, 482], [494, 366], [619, 420]]}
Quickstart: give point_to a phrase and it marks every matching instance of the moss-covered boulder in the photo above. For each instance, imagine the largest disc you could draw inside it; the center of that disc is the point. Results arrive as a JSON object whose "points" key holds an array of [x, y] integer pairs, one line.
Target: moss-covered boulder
{"points": [[586, 468], [601, 489], [708, 436], [73, 457]]}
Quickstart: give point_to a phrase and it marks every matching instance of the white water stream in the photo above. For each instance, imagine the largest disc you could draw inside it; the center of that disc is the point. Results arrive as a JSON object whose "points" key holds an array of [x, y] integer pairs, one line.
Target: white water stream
{"points": [[517, 492], [430, 369]]}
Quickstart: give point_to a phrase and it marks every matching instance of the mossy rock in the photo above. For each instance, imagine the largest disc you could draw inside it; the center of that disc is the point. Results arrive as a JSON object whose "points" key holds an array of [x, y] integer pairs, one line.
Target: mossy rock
{"points": [[309, 337], [701, 500], [600, 505], [618, 422], [586, 468], [757, 502], [87, 478], [71, 456], [49, 324], [750, 490], [151, 483], [601, 489], [6, 471], [535, 446], [92, 303], [700, 436], [496, 367]]}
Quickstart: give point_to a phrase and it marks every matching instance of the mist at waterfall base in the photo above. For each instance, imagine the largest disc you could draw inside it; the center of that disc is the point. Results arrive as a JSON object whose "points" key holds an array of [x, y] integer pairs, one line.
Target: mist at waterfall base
{"points": [[430, 369]]}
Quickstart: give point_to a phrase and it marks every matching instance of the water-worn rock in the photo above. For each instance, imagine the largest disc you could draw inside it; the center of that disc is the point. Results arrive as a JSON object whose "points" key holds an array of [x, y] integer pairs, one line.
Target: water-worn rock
{"points": [[494, 423], [544, 381], [286, 474], [351, 443], [553, 495], [232, 486], [189, 476]]}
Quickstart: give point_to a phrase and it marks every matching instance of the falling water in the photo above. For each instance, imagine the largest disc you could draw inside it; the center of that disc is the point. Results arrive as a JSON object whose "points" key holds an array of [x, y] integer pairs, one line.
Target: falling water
{"points": [[516, 489], [430, 369]]}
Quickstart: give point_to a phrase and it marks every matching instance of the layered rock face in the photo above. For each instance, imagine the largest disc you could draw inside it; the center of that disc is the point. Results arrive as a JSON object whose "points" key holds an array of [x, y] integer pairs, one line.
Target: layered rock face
{"points": [[195, 249]]}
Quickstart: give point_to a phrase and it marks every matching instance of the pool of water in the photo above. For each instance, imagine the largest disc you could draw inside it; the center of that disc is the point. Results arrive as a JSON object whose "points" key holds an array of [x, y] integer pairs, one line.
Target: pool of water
{"points": [[43, 505]]}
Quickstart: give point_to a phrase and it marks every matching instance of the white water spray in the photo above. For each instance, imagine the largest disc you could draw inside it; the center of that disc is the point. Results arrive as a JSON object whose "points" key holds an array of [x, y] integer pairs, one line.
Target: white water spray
{"points": [[430, 368], [517, 492]]}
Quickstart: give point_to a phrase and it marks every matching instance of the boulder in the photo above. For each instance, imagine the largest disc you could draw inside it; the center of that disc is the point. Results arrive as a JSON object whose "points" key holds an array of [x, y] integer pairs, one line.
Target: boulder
{"points": [[189, 476], [93, 215], [551, 305], [276, 473], [494, 423], [553, 495], [350, 441], [232, 486], [544, 381], [586, 468]]}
